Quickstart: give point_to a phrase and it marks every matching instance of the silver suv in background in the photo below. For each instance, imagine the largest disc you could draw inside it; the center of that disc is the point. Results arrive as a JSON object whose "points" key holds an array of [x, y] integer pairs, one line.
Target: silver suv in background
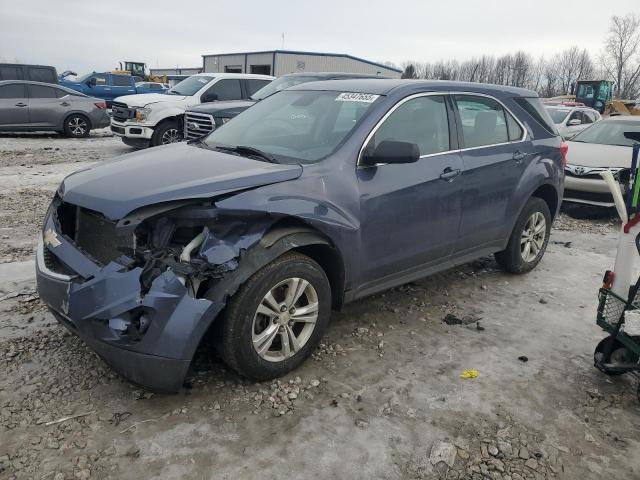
{"points": [[38, 106], [571, 120]]}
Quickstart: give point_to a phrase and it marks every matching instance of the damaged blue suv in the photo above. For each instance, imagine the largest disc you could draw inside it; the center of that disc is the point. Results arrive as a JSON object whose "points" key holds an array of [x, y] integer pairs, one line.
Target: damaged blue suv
{"points": [[316, 196]]}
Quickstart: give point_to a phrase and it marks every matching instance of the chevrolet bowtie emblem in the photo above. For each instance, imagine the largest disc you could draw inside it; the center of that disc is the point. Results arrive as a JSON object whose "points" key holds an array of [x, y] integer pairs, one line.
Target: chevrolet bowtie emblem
{"points": [[50, 238]]}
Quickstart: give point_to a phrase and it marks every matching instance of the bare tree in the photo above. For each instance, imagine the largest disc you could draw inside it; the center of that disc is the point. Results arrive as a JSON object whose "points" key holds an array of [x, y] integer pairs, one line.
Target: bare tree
{"points": [[573, 64], [621, 49]]}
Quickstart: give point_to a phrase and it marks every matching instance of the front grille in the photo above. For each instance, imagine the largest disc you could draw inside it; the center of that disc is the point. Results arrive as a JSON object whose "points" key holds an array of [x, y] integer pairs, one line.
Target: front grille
{"points": [[54, 264], [197, 124], [588, 176], [588, 196], [120, 112], [92, 233], [97, 236]]}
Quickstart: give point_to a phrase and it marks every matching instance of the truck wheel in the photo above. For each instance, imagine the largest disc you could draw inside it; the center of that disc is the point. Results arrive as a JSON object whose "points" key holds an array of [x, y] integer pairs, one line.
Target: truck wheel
{"points": [[77, 126], [167, 132], [276, 319], [529, 238]]}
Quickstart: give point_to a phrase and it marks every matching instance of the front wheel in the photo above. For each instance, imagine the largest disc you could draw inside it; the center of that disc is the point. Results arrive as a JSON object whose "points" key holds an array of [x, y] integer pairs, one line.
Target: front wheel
{"points": [[77, 126], [276, 319], [529, 238], [167, 132]]}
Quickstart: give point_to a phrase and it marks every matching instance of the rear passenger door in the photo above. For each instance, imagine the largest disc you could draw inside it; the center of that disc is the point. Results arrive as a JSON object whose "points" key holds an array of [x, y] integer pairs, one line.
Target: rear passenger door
{"points": [[14, 105], [495, 157], [45, 108]]}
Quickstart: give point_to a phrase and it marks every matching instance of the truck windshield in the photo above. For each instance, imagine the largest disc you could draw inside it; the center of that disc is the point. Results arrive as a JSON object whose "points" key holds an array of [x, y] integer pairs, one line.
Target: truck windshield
{"points": [[189, 86], [295, 126], [281, 83]]}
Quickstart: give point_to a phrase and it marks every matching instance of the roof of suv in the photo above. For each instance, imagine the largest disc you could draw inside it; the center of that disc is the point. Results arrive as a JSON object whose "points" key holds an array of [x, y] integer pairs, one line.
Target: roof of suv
{"points": [[383, 86]]}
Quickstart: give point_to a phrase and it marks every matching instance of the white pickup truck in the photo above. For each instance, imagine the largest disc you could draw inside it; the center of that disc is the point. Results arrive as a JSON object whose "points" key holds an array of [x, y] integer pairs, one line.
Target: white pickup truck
{"points": [[156, 119]]}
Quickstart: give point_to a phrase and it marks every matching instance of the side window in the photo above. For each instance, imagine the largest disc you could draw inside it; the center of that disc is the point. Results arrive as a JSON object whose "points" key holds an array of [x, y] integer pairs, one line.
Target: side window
{"points": [[39, 74], [253, 85], [515, 130], [422, 120], [154, 86], [227, 89], [38, 91], [13, 90], [100, 79], [588, 117], [61, 93], [10, 73], [483, 121], [121, 80], [577, 115]]}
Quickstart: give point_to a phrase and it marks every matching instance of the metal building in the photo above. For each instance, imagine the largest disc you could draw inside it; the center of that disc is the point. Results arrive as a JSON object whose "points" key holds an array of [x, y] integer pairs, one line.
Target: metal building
{"points": [[175, 71], [281, 62]]}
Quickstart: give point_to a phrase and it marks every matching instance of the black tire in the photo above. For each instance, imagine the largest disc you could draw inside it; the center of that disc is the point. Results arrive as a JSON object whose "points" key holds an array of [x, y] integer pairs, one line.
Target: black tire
{"points": [[77, 126], [619, 354], [235, 343], [511, 258], [163, 133]]}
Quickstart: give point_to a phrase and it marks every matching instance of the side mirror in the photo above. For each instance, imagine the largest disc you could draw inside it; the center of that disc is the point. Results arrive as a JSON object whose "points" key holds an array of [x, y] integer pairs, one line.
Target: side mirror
{"points": [[575, 121], [391, 151], [209, 97]]}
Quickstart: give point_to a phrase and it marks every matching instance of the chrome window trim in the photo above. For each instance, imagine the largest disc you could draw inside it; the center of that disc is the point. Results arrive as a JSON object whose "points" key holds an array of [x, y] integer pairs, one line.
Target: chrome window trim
{"points": [[444, 93]]}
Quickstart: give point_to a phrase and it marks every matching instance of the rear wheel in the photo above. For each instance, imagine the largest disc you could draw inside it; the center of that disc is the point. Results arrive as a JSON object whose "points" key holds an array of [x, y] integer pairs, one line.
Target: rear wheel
{"points": [[167, 132], [620, 355], [77, 126], [276, 319], [529, 238]]}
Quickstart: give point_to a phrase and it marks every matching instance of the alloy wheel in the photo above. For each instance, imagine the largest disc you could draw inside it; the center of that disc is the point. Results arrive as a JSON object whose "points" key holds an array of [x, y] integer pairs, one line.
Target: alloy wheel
{"points": [[285, 319], [172, 135], [533, 237], [77, 126]]}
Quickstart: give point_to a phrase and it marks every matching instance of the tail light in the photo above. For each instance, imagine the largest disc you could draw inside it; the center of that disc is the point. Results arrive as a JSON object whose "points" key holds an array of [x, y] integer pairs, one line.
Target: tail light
{"points": [[101, 105], [564, 148]]}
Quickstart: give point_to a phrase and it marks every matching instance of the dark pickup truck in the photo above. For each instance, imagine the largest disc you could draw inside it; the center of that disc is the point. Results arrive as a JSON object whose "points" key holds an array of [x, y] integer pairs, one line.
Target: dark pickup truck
{"points": [[202, 119]]}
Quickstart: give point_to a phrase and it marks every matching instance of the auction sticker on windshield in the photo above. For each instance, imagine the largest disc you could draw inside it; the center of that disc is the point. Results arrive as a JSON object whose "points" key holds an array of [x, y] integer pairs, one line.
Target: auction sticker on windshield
{"points": [[357, 97]]}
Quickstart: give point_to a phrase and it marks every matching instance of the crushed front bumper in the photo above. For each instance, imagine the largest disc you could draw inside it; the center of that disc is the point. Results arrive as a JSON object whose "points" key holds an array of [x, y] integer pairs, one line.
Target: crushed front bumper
{"points": [[105, 306]]}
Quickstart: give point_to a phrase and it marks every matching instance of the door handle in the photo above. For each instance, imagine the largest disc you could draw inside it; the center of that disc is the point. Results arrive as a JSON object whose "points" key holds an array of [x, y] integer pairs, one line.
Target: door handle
{"points": [[448, 174], [20, 104], [65, 104], [519, 156]]}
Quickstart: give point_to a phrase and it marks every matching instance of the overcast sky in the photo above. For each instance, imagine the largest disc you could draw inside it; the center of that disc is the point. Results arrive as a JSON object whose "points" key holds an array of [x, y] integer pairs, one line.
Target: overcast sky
{"points": [[87, 35]]}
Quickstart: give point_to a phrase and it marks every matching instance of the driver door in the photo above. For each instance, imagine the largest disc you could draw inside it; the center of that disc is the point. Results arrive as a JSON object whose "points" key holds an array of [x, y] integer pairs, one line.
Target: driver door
{"points": [[410, 213]]}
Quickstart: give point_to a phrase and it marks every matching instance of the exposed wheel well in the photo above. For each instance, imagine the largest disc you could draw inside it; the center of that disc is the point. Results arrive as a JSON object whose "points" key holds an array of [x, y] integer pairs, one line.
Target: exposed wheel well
{"points": [[323, 253], [549, 194]]}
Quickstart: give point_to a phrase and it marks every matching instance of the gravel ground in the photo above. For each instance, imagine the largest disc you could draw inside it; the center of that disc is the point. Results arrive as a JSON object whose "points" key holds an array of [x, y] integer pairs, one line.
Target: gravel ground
{"points": [[382, 396]]}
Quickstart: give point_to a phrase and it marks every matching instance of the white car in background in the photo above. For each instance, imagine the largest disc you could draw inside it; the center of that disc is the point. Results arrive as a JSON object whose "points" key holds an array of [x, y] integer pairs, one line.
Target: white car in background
{"points": [[602, 146], [571, 120], [152, 119]]}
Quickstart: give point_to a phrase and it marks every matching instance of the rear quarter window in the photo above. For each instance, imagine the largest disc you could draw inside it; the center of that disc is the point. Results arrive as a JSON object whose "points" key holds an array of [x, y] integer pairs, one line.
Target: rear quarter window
{"points": [[533, 106], [10, 73]]}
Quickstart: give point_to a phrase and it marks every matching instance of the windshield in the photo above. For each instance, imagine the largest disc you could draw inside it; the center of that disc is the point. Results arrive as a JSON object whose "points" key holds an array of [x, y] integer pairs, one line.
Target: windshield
{"points": [[295, 126], [558, 115], [281, 83], [189, 86], [610, 132]]}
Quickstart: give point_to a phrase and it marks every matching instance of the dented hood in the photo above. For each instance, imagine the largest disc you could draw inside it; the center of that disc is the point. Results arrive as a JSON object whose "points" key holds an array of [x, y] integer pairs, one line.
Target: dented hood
{"points": [[143, 99], [163, 174]]}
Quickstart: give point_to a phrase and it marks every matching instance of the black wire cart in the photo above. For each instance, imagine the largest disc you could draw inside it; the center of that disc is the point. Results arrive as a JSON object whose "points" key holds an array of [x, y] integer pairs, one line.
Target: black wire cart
{"points": [[618, 353]]}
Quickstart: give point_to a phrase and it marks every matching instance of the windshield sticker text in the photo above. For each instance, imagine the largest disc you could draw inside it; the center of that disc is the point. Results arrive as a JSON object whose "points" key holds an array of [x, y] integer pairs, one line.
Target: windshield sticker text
{"points": [[357, 97]]}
